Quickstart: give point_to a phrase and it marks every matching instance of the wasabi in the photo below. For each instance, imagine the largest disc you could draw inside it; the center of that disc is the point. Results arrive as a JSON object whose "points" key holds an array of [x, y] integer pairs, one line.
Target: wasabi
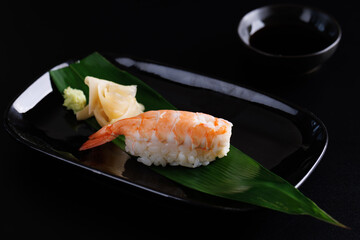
{"points": [[74, 99]]}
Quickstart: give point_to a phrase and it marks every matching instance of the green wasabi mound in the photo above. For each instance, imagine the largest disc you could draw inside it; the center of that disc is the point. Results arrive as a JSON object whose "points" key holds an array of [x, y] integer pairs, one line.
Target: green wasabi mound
{"points": [[74, 99]]}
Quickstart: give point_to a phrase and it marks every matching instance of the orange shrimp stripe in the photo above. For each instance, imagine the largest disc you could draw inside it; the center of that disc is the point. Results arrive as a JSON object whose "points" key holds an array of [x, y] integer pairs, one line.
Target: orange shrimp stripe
{"points": [[182, 124]]}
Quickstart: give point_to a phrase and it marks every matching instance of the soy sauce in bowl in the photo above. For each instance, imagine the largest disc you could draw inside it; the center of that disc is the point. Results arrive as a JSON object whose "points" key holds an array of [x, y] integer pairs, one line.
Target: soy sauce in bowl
{"points": [[289, 38]]}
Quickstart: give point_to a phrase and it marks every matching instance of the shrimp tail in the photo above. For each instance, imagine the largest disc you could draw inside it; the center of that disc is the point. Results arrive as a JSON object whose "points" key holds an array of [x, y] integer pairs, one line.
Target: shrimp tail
{"points": [[109, 133], [101, 137]]}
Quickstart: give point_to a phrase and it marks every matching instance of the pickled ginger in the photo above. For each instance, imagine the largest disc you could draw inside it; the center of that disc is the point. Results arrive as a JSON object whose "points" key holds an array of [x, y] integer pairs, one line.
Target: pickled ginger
{"points": [[109, 101]]}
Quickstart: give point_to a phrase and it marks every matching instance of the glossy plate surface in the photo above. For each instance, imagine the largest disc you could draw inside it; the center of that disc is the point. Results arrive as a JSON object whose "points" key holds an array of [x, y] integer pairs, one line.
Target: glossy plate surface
{"points": [[283, 138]]}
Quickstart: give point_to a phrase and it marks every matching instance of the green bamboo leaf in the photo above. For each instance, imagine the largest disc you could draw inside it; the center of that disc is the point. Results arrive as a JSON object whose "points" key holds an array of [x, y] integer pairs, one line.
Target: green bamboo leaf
{"points": [[236, 176]]}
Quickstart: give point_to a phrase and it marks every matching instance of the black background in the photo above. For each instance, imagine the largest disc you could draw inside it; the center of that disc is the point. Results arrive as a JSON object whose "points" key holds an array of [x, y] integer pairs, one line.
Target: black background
{"points": [[44, 197]]}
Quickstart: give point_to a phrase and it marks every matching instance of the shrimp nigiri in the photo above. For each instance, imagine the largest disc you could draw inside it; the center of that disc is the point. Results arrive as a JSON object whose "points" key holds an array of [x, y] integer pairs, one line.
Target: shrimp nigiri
{"points": [[169, 137]]}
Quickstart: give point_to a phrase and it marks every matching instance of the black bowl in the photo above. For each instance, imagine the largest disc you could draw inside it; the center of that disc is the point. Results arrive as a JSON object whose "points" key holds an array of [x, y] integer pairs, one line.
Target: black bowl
{"points": [[289, 38]]}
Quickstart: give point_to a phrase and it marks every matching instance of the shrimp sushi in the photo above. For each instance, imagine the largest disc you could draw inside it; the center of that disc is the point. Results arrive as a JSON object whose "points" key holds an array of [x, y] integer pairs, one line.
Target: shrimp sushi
{"points": [[169, 137]]}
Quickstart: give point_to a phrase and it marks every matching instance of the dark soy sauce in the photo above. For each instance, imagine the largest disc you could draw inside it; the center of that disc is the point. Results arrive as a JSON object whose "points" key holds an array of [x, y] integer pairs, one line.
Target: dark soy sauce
{"points": [[290, 39]]}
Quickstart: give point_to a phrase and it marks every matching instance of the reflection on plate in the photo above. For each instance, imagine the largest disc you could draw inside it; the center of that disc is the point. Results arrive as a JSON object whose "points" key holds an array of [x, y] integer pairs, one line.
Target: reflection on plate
{"points": [[283, 138]]}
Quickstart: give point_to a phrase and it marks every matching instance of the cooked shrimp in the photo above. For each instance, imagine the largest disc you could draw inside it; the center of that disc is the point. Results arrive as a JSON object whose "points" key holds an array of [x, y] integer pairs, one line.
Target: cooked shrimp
{"points": [[169, 137]]}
